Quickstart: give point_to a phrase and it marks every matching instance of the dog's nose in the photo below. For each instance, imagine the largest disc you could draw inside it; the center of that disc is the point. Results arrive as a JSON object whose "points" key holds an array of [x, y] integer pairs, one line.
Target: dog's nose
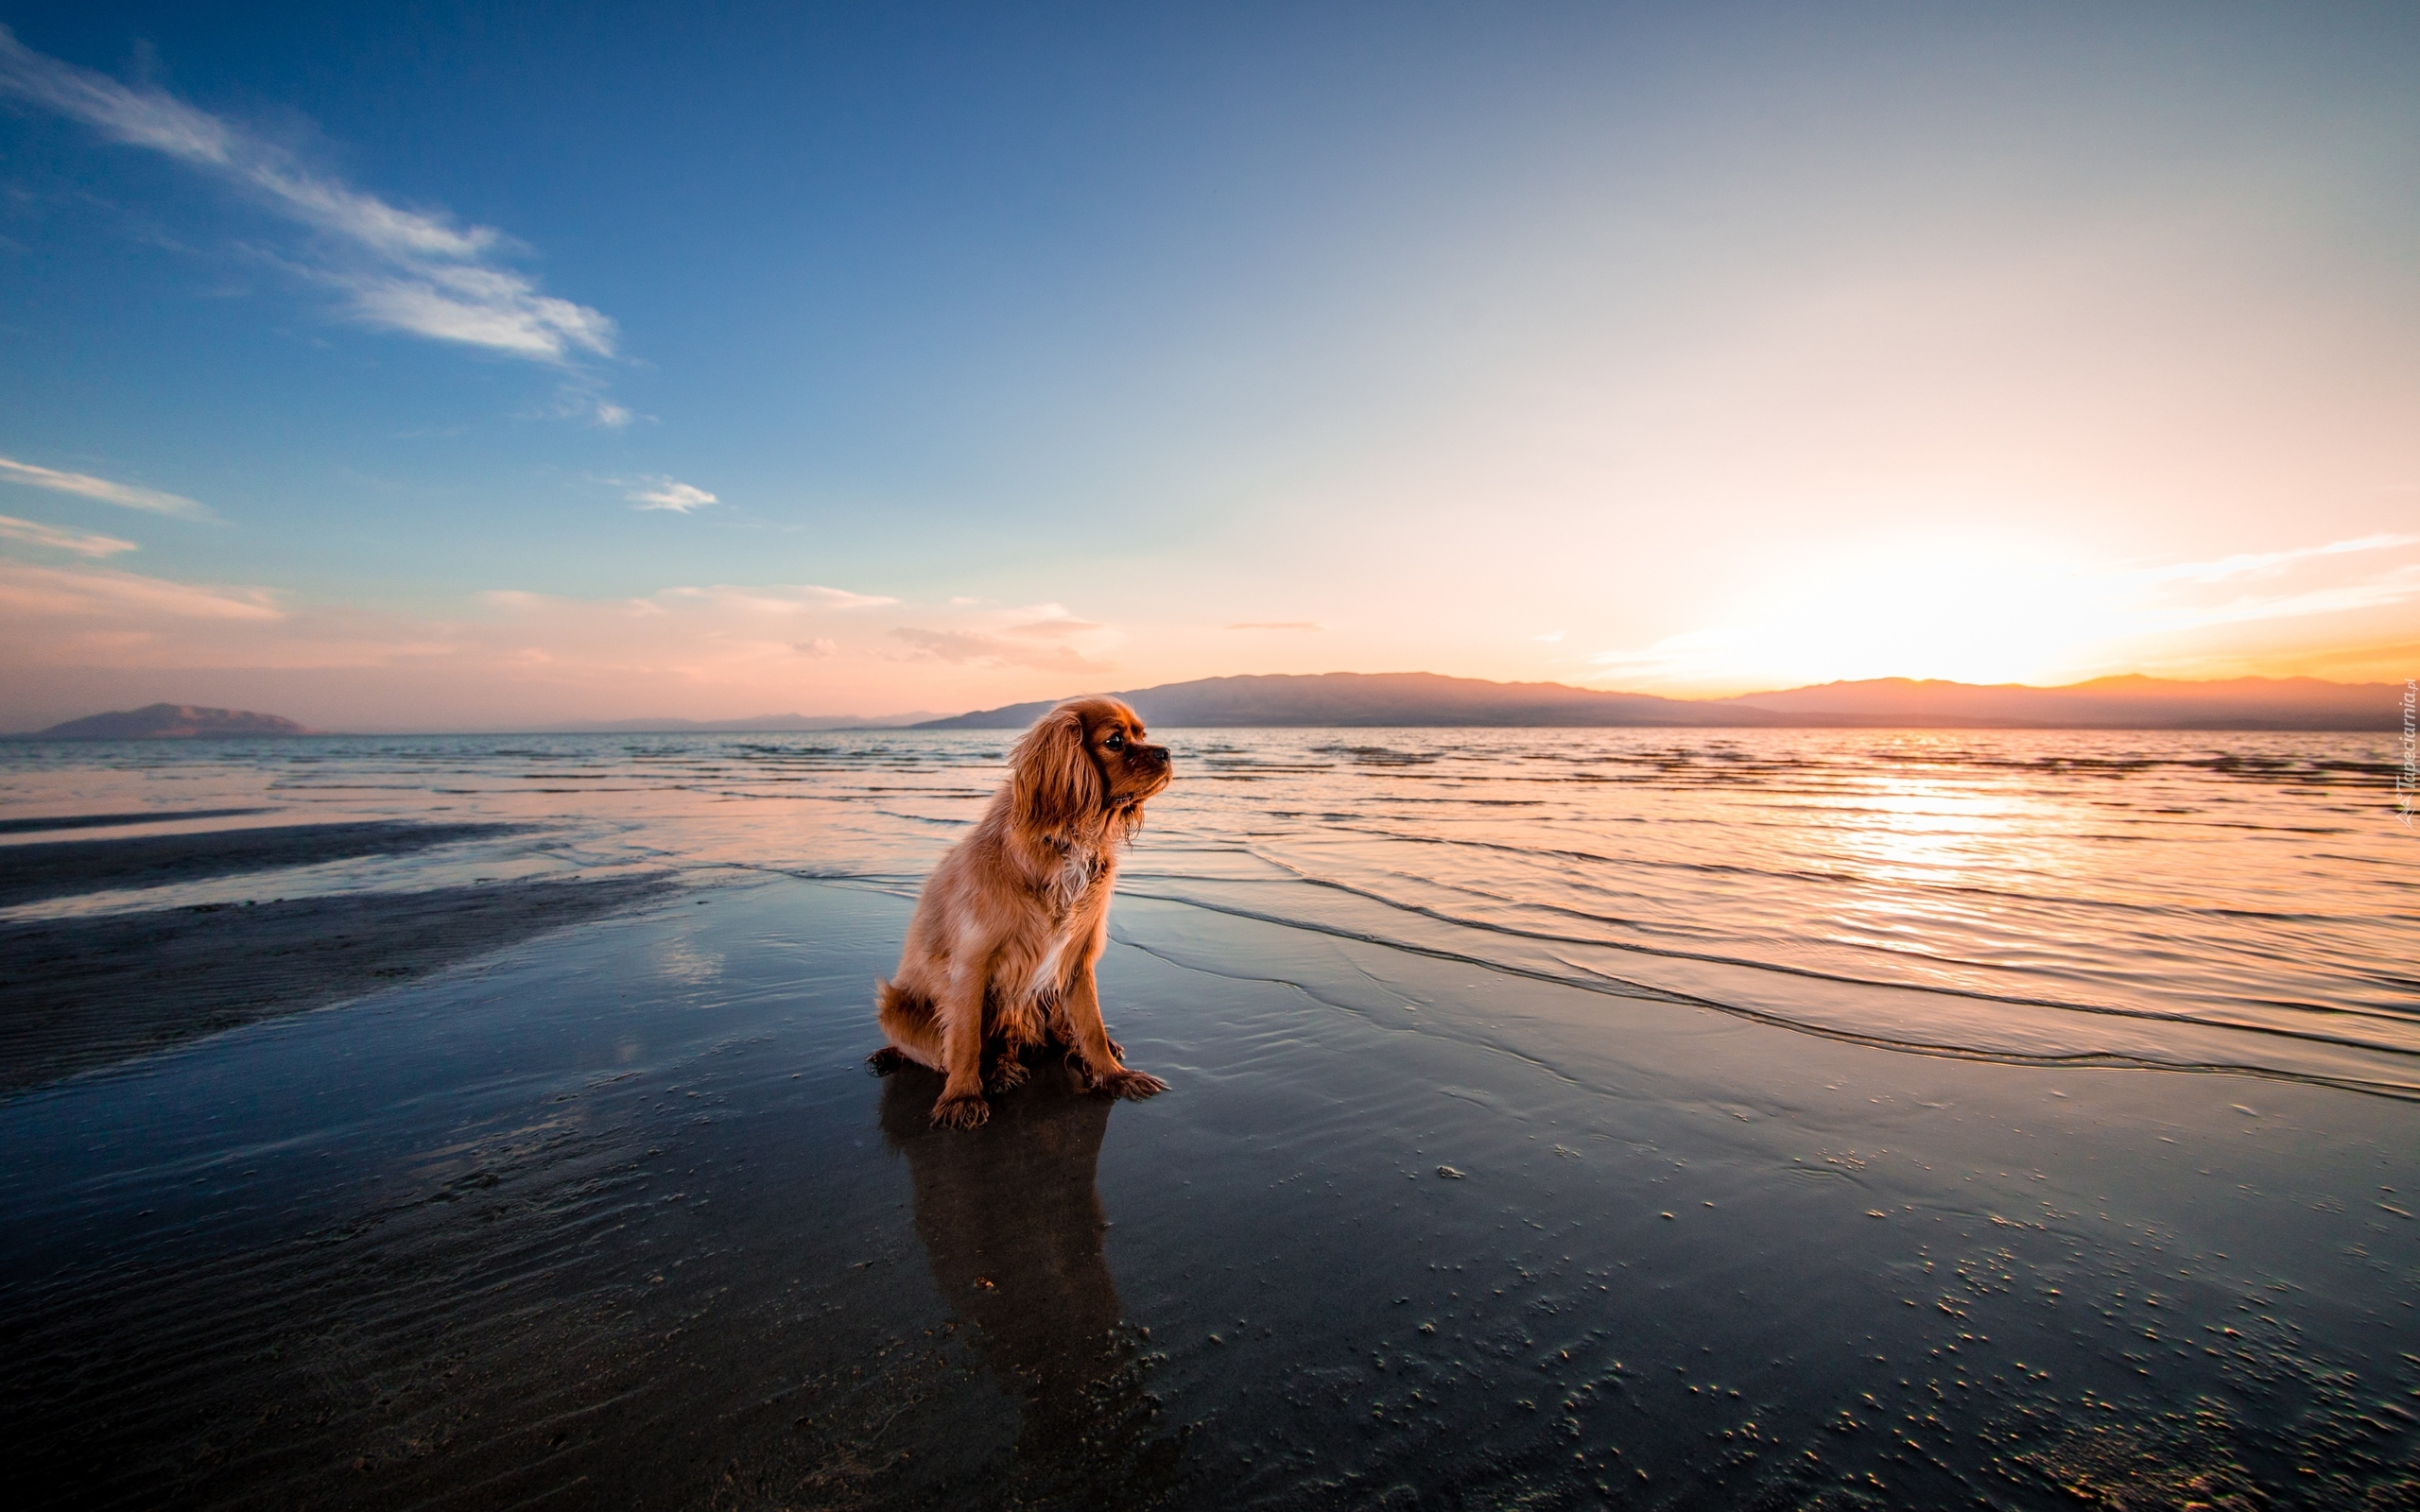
{"points": [[1155, 757]]}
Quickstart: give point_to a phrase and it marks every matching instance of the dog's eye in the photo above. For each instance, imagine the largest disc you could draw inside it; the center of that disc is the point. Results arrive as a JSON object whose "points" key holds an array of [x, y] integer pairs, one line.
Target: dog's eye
{"points": [[1116, 740]]}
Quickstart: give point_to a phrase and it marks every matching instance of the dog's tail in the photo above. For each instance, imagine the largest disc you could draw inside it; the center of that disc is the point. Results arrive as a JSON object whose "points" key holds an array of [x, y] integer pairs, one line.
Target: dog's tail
{"points": [[907, 1021], [901, 1011]]}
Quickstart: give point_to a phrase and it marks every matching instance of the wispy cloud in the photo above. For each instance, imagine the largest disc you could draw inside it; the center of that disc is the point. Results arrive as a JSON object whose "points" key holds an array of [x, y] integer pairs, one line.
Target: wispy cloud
{"points": [[99, 594], [843, 598], [2262, 563], [582, 397], [2268, 585], [669, 493], [411, 270], [976, 648], [1054, 630], [774, 598], [477, 306], [88, 487], [1275, 624], [83, 542], [1692, 653], [2396, 586]]}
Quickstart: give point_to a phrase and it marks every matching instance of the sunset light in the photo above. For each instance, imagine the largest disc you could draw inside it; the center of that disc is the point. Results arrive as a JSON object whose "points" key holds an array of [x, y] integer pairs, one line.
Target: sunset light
{"points": [[1243, 757], [1977, 610]]}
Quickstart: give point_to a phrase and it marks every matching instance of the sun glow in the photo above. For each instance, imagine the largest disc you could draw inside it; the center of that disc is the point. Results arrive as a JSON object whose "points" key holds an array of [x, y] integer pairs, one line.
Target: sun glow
{"points": [[1969, 612], [1989, 612], [1971, 616]]}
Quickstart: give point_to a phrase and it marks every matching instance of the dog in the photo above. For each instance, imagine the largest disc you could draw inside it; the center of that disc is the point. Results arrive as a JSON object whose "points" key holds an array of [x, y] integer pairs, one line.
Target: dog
{"points": [[1000, 953]]}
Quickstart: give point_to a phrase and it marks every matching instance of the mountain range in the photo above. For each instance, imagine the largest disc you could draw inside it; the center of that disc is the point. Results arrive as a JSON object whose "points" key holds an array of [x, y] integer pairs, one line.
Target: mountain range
{"points": [[1418, 699], [1415, 698]]}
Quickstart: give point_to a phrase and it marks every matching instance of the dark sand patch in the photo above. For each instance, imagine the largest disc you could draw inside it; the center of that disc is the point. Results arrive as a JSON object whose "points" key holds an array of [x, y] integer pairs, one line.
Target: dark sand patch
{"points": [[621, 1222], [111, 821], [61, 869], [76, 993]]}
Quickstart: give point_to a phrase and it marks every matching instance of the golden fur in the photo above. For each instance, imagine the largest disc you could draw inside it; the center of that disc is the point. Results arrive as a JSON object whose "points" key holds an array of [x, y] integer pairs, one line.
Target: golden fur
{"points": [[1000, 954]]}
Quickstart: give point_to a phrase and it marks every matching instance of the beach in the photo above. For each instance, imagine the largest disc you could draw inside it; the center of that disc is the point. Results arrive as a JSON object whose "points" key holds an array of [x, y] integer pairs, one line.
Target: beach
{"points": [[1705, 1203], [1729, 696]]}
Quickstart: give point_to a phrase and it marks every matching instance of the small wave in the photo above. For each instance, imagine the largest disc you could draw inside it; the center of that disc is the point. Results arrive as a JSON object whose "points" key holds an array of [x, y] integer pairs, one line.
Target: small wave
{"points": [[2185, 885], [1589, 980]]}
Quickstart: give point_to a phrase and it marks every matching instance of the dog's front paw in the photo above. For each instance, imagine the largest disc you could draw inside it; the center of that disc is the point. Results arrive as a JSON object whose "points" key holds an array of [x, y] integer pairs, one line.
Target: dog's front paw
{"points": [[1135, 1084], [885, 1060], [1007, 1077], [963, 1110]]}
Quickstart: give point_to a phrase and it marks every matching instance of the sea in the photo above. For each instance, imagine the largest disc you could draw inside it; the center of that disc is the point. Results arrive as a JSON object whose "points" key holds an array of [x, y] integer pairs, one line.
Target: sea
{"points": [[2224, 903]]}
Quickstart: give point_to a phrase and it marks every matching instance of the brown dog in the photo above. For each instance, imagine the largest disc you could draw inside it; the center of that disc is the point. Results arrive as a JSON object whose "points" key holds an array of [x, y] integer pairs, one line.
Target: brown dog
{"points": [[1000, 954]]}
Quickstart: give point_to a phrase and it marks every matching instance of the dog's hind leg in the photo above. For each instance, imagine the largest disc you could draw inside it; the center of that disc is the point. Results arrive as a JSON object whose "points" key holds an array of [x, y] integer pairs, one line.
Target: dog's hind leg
{"points": [[1008, 1071], [1011, 1029], [1061, 1034]]}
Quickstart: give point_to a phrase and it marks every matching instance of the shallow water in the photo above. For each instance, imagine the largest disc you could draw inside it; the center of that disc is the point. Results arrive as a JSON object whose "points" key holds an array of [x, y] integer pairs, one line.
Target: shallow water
{"points": [[1543, 1130], [2236, 901]]}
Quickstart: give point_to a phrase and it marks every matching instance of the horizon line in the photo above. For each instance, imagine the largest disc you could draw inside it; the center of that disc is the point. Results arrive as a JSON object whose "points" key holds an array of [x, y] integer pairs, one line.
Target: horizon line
{"points": [[1836, 719]]}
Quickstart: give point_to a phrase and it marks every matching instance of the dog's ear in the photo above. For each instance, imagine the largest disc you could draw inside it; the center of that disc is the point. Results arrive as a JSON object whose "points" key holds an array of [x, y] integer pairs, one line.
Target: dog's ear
{"points": [[1054, 783]]}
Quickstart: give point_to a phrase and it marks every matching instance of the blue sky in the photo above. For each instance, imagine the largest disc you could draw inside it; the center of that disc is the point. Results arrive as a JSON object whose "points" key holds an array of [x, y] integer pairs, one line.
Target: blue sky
{"points": [[1026, 349]]}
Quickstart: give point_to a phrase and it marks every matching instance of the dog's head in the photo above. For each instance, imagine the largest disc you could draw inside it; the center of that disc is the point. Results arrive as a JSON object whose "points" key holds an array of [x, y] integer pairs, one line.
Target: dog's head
{"points": [[1085, 765]]}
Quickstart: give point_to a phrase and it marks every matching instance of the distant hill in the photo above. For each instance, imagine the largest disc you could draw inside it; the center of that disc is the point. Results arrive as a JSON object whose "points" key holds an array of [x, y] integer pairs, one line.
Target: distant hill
{"points": [[1417, 699], [765, 722], [1378, 698], [172, 721]]}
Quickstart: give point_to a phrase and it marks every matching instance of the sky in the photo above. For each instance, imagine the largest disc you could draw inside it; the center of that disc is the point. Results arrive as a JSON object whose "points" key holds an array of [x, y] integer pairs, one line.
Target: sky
{"points": [[482, 366]]}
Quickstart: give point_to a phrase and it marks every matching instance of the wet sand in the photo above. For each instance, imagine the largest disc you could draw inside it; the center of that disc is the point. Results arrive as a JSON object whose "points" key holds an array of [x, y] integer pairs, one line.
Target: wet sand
{"points": [[618, 1219], [61, 869], [86, 992], [118, 821]]}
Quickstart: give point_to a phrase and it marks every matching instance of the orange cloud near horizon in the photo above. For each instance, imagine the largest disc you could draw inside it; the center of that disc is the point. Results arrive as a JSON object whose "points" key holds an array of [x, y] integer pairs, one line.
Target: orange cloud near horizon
{"points": [[85, 637]]}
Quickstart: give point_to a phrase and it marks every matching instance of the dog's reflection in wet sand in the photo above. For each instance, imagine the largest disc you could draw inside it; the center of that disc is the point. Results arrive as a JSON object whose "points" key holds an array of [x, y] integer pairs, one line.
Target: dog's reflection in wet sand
{"points": [[1012, 1224]]}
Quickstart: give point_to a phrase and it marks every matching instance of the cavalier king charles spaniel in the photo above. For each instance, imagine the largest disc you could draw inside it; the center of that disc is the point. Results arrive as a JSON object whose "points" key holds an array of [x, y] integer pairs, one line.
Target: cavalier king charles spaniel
{"points": [[1000, 955]]}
